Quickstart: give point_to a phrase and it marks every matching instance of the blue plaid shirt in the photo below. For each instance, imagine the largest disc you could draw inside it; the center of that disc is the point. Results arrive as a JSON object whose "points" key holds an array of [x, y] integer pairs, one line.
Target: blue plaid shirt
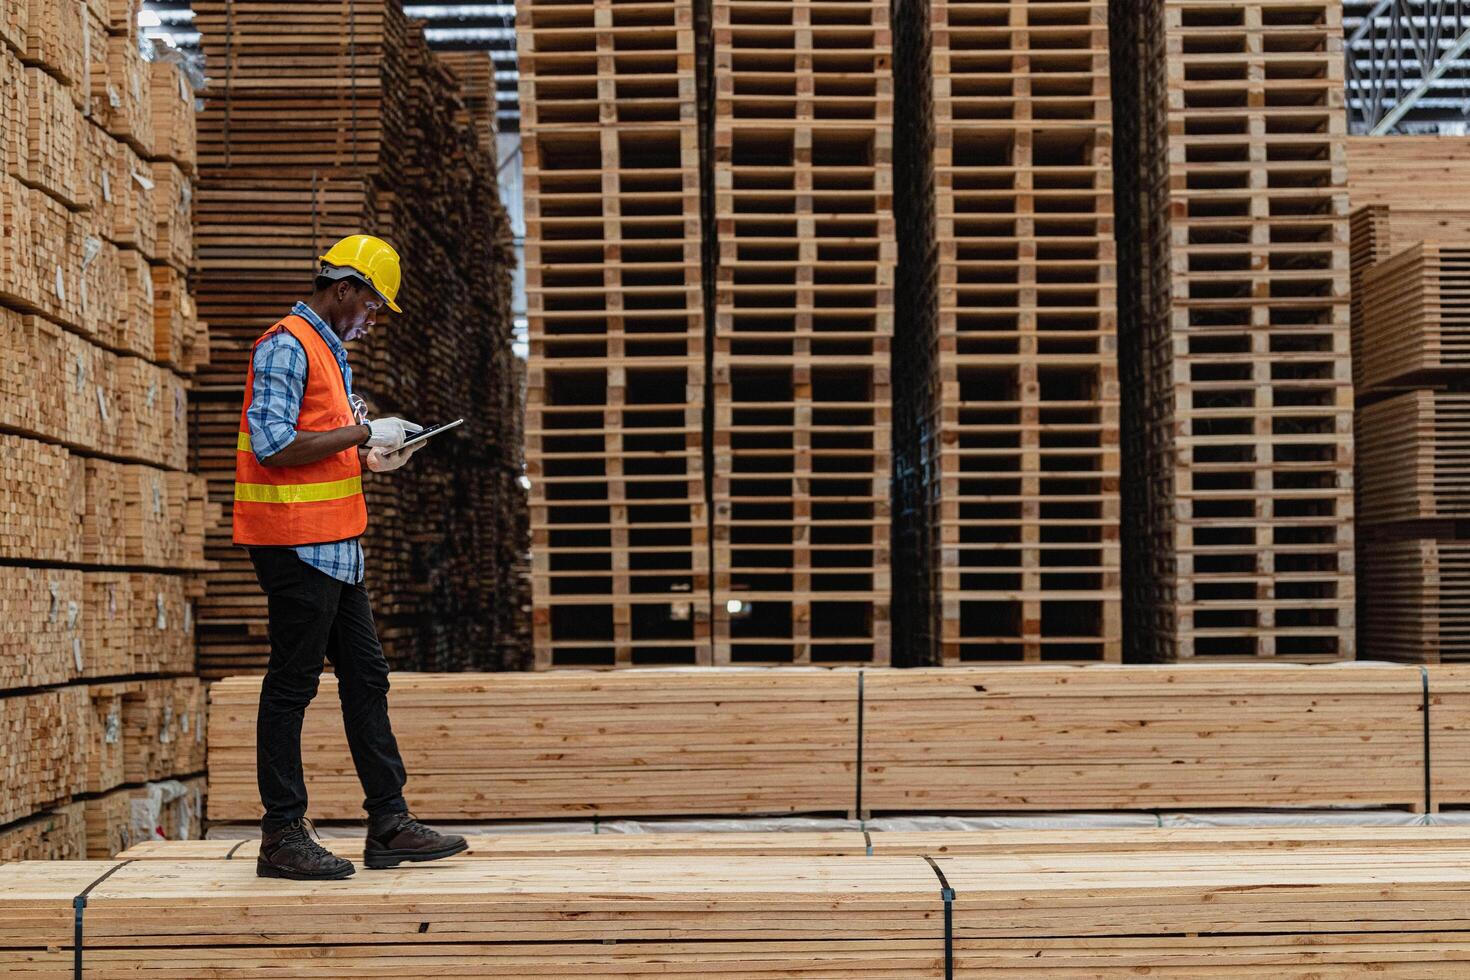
{"points": [[280, 384]]}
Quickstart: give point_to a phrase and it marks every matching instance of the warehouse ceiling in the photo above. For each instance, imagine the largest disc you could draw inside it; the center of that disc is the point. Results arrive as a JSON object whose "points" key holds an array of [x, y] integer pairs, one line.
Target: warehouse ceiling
{"points": [[1392, 46], [486, 27]]}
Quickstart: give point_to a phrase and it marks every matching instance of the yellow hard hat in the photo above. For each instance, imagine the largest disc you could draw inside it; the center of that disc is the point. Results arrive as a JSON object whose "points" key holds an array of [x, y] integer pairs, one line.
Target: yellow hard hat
{"points": [[371, 258]]}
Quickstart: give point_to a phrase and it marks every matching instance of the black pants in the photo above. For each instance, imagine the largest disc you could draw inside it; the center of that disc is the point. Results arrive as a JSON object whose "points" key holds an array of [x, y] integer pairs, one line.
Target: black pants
{"points": [[313, 616]]}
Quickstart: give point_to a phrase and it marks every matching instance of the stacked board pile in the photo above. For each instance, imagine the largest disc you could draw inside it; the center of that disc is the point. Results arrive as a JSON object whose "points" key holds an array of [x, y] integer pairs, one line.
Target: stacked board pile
{"points": [[1411, 371], [805, 249], [1338, 909], [101, 526], [616, 391], [1008, 423], [671, 742], [1234, 357], [476, 73], [869, 843], [367, 133]]}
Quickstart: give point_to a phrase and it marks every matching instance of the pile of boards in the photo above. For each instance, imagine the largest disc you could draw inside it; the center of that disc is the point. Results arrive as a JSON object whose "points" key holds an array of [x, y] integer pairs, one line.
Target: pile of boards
{"points": [[367, 132], [1411, 367], [91, 768], [1158, 904], [712, 741], [101, 525]]}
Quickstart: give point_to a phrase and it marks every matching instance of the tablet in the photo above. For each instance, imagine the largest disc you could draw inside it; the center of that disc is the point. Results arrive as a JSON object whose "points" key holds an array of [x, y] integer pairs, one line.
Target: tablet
{"points": [[428, 432]]}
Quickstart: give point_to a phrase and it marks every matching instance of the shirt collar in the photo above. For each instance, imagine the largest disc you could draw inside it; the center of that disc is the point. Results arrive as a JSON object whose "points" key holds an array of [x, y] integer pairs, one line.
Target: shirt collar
{"points": [[310, 316]]}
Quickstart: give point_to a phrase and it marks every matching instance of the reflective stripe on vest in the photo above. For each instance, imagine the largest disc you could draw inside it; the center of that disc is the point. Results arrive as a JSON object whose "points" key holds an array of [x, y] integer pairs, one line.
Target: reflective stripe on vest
{"points": [[296, 493]]}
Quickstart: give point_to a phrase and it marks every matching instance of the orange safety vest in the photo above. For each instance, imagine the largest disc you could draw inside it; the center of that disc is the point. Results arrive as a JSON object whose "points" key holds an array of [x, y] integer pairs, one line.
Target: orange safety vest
{"points": [[310, 504]]}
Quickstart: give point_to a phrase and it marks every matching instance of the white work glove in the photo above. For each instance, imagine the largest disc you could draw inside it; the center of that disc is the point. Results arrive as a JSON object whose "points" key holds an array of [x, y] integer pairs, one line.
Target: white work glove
{"points": [[389, 433], [386, 461], [359, 409]]}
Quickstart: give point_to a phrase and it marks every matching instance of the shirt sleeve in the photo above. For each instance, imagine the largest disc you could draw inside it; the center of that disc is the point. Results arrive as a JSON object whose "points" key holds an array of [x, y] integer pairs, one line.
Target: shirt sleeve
{"points": [[280, 383]]}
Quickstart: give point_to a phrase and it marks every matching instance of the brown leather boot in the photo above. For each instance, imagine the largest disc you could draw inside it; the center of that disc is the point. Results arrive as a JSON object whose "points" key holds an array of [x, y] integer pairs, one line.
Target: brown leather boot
{"points": [[397, 837], [292, 852]]}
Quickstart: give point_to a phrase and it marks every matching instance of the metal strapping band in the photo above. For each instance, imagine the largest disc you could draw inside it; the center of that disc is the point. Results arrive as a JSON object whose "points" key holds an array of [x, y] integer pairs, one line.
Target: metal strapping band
{"points": [[1428, 796], [230, 856], [859, 802], [868, 840], [79, 905], [947, 894]]}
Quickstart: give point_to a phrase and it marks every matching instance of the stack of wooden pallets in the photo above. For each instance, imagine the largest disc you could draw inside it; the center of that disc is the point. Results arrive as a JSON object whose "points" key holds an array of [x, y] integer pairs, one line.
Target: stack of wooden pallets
{"points": [[882, 740], [1235, 360], [1009, 436], [369, 133], [616, 385], [1411, 349], [101, 526], [803, 296]]}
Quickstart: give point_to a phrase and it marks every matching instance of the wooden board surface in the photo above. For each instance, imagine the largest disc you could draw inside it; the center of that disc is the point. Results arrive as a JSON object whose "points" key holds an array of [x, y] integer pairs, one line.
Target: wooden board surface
{"points": [[647, 742], [1310, 912], [939, 741], [856, 844]]}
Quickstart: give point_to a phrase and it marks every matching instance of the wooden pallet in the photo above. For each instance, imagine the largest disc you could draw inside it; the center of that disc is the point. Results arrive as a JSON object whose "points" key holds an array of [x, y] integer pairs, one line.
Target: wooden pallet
{"points": [[615, 449], [803, 298], [1236, 366], [1010, 435]]}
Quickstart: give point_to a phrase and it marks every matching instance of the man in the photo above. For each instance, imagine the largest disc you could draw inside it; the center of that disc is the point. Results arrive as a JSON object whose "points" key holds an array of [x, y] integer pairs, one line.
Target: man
{"points": [[299, 508]]}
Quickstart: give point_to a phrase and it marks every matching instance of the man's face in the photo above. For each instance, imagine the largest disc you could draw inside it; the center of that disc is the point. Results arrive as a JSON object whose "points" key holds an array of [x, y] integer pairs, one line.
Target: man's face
{"points": [[359, 306]]}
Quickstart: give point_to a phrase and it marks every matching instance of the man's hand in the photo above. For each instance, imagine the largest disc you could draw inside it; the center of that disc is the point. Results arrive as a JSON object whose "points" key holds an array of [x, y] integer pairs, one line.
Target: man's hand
{"points": [[386, 461], [389, 433]]}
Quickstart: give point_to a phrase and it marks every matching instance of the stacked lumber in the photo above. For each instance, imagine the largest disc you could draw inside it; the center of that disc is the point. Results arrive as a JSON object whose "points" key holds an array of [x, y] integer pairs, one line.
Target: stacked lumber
{"points": [[1314, 912], [367, 134], [670, 742], [60, 835], [859, 844], [1008, 434], [1142, 738], [803, 298], [101, 526], [44, 745], [1235, 354], [570, 744], [1408, 172], [1410, 262], [615, 444], [476, 73], [169, 811]]}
